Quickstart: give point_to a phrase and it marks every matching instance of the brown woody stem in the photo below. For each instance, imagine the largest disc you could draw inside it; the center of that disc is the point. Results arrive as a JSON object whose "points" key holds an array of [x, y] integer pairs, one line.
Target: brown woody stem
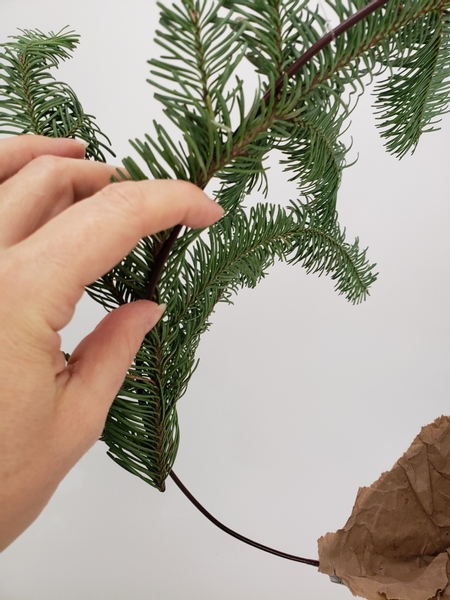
{"points": [[160, 261]]}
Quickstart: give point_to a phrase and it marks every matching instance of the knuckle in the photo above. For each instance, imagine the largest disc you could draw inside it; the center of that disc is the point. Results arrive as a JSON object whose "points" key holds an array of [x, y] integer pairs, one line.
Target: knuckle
{"points": [[48, 172], [127, 194], [48, 165]]}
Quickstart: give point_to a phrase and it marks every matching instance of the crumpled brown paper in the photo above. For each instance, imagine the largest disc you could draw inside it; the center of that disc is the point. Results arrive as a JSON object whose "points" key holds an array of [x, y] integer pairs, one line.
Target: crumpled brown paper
{"points": [[396, 544]]}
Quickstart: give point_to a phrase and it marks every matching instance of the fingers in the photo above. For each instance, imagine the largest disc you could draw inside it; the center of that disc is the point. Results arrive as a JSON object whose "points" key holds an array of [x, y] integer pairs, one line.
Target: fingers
{"points": [[98, 366], [44, 188], [18, 151], [89, 238]]}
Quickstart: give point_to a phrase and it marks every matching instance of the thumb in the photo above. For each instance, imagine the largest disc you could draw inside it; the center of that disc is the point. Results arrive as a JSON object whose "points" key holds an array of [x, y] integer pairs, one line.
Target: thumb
{"points": [[100, 362]]}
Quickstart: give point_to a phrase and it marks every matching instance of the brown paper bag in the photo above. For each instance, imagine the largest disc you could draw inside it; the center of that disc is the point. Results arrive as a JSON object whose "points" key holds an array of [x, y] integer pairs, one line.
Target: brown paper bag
{"points": [[396, 543]]}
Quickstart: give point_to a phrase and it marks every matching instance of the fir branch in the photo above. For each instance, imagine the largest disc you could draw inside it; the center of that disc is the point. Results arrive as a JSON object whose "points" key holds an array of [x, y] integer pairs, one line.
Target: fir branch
{"points": [[236, 253], [310, 142], [272, 32], [142, 427], [411, 101], [202, 54], [242, 247], [32, 101]]}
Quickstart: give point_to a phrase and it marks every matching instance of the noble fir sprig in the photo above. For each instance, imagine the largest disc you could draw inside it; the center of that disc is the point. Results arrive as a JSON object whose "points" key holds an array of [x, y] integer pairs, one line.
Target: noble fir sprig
{"points": [[300, 107], [33, 101]]}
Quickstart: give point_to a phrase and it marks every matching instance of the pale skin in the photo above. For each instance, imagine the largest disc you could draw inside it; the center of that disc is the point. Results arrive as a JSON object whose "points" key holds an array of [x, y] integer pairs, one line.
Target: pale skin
{"points": [[63, 225]]}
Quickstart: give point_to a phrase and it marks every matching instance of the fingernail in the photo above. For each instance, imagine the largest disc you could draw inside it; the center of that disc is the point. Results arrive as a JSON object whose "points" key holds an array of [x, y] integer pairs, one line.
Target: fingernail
{"points": [[162, 307], [156, 315], [220, 211], [82, 142]]}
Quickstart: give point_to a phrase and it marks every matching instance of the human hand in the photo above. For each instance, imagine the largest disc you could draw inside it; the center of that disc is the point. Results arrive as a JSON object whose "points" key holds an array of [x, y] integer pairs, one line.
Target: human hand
{"points": [[63, 225]]}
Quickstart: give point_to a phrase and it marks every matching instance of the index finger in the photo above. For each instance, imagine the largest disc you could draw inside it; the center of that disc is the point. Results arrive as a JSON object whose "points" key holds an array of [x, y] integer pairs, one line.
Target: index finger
{"points": [[16, 152], [89, 238]]}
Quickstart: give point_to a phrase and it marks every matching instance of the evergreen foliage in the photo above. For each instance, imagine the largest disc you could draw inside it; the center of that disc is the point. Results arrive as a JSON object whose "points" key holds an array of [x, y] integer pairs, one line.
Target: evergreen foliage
{"points": [[224, 136], [32, 101]]}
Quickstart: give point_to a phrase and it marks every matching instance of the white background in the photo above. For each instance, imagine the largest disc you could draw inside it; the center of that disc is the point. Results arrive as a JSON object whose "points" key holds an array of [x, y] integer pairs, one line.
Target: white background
{"points": [[300, 397]]}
